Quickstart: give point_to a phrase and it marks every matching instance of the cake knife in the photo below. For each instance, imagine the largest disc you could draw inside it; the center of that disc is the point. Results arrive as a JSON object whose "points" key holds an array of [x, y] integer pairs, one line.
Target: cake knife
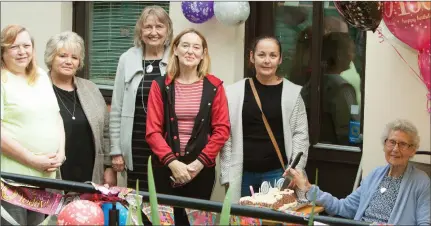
{"points": [[288, 177]]}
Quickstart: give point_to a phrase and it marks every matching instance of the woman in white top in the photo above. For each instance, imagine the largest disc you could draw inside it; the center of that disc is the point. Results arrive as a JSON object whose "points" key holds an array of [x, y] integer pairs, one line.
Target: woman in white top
{"points": [[32, 137]]}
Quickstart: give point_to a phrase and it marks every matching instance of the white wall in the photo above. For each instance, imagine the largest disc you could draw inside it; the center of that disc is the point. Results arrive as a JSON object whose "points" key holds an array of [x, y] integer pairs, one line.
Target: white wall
{"points": [[391, 91], [226, 48], [42, 19]]}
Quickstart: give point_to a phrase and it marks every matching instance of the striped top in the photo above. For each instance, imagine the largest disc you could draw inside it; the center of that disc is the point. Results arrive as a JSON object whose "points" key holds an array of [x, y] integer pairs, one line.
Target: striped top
{"points": [[187, 103]]}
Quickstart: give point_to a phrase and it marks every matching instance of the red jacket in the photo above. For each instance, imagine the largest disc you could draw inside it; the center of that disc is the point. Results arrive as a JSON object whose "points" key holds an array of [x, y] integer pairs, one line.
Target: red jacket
{"points": [[210, 131]]}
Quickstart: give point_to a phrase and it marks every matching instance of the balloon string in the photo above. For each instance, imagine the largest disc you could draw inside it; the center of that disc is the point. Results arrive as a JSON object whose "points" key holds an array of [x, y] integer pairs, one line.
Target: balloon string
{"points": [[429, 102], [380, 34], [382, 38]]}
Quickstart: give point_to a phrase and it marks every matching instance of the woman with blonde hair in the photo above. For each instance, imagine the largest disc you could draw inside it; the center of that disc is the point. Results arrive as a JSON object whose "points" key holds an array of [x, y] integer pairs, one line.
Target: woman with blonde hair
{"points": [[84, 112], [32, 134], [187, 123], [137, 68]]}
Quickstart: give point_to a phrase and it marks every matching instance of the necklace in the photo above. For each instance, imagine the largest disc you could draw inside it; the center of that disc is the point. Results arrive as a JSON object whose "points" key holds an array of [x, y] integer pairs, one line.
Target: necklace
{"points": [[149, 68], [74, 102]]}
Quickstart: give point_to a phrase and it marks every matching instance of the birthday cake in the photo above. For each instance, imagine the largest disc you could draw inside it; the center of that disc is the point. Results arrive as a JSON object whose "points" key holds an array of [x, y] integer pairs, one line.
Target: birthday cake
{"points": [[269, 197], [274, 199]]}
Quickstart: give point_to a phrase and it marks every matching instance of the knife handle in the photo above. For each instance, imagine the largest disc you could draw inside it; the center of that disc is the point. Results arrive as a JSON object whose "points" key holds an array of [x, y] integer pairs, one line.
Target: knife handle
{"points": [[296, 160]]}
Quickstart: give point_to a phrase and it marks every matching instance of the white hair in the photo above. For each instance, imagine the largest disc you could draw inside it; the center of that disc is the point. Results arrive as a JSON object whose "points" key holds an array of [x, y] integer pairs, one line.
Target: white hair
{"points": [[69, 40], [403, 126]]}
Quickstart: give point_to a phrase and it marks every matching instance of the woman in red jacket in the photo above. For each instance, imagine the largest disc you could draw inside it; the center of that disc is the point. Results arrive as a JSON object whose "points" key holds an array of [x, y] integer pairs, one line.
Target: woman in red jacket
{"points": [[187, 122]]}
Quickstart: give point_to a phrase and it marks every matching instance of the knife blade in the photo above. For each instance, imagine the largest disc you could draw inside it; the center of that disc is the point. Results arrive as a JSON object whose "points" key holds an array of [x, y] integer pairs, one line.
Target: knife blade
{"points": [[288, 177]]}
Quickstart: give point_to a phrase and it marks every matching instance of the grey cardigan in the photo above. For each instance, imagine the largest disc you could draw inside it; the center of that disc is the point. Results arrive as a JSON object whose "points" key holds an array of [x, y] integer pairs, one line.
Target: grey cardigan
{"points": [[295, 130], [95, 109], [129, 74]]}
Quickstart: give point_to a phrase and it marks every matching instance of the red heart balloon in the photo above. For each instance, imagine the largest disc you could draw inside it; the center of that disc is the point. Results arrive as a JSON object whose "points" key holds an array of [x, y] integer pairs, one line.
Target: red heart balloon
{"points": [[410, 22], [424, 60]]}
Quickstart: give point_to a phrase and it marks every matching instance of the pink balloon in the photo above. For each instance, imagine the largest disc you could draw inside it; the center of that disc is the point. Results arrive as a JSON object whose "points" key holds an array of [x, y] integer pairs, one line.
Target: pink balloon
{"points": [[81, 212], [409, 21], [424, 60]]}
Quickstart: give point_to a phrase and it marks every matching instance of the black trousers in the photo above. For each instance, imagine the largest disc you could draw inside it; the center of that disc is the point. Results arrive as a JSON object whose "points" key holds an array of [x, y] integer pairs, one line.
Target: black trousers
{"points": [[200, 187]]}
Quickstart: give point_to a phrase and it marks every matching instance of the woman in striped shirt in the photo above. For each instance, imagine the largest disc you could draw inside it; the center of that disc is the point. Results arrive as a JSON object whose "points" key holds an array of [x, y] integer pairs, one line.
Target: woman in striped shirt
{"points": [[187, 122]]}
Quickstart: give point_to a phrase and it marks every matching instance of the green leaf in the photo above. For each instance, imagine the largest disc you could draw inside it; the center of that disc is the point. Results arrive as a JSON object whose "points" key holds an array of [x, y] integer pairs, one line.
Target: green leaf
{"points": [[311, 219], [129, 216], [138, 202], [155, 218], [225, 211]]}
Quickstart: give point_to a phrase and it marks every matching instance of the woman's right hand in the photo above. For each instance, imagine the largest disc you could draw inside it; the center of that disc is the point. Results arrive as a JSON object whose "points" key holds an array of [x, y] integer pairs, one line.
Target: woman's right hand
{"points": [[118, 163], [45, 162], [179, 172], [300, 179]]}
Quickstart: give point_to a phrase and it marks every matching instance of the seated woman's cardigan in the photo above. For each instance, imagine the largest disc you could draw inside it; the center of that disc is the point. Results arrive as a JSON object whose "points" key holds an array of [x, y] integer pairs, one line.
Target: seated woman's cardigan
{"points": [[412, 206]]}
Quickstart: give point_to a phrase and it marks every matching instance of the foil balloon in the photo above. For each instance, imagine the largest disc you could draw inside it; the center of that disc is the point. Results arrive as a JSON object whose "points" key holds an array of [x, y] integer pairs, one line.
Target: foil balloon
{"points": [[387, 35], [410, 22], [424, 60], [81, 212], [361, 14], [231, 13], [197, 11]]}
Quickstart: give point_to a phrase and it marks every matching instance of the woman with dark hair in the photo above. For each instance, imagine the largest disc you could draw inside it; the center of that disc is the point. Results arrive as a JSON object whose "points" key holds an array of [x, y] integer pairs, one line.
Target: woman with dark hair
{"points": [[258, 106]]}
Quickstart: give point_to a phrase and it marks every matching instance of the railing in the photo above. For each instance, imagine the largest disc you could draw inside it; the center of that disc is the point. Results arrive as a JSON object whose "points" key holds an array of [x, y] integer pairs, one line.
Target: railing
{"points": [[184, 202]]}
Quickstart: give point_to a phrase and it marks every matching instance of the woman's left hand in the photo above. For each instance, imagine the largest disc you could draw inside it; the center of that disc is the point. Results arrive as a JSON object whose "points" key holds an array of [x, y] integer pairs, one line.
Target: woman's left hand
{"points": [[195, 168], [110, 177]]}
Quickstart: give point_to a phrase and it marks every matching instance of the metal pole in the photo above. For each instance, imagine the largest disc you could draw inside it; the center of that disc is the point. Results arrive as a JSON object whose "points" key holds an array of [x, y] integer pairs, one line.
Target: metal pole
{"points": [[184, 202]]}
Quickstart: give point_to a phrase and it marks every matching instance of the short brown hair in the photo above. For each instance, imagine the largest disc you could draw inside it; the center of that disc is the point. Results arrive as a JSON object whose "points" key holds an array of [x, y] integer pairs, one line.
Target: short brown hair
{"points": [[8, 36], [173, 64], [160, 14]]}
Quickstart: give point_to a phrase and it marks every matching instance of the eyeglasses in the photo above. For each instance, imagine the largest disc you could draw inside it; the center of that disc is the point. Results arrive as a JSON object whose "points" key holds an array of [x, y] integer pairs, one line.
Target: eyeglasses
{"points": [[389, 143]]}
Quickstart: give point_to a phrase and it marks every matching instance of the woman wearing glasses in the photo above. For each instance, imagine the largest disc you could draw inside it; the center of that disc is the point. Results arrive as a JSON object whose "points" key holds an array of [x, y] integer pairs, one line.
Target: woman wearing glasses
{"points": [[396, 194]]}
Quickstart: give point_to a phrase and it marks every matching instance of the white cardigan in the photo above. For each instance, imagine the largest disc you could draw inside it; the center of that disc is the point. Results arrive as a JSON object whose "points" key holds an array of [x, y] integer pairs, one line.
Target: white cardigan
{"points": [[295, 127]]}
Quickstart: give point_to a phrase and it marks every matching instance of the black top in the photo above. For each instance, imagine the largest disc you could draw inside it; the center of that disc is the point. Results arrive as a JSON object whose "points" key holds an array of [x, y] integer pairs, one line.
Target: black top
{"points": [[80, 148], [140, 149], [259, 152]]}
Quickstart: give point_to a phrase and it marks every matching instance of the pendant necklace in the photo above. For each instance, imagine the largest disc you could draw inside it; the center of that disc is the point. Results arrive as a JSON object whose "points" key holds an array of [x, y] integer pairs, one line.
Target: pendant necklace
{"points": [[149, 68], [74, 102]]}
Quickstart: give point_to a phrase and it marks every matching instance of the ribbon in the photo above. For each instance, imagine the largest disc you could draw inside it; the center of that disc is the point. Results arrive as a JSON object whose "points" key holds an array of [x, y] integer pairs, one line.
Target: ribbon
{"points": [[382, 39]]}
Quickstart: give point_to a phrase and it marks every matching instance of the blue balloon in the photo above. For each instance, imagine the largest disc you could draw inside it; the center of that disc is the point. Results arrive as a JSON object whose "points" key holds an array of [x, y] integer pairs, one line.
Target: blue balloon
{"points": [[122, 213]]}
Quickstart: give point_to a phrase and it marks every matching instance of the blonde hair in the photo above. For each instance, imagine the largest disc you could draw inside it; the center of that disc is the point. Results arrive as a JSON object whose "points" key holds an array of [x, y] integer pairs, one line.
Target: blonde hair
{"points": [[69, 40], [8, 37], [173, 64], [161, 15]]}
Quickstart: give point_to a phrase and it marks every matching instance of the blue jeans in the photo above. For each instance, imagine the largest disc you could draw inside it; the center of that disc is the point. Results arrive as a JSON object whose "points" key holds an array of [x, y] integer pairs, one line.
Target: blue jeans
{"points": [[256, 179]]}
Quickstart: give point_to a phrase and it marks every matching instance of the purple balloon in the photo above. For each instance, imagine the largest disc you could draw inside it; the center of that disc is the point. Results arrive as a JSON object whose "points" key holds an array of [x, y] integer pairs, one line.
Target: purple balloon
{"points": [[198, 12]]}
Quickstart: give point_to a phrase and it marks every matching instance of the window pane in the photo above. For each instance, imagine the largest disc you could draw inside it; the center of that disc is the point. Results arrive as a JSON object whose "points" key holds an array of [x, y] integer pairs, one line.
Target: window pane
{"points": [[112, 27], [293, 28], [342, 54]]}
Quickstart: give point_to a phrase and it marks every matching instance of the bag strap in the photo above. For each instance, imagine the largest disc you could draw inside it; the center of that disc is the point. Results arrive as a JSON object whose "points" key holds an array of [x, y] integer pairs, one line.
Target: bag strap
{"points": [[265, 121]]}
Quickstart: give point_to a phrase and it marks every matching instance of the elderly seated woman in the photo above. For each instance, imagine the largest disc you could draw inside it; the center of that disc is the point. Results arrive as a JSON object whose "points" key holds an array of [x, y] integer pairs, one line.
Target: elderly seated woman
{"points": [[397, 193]]}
